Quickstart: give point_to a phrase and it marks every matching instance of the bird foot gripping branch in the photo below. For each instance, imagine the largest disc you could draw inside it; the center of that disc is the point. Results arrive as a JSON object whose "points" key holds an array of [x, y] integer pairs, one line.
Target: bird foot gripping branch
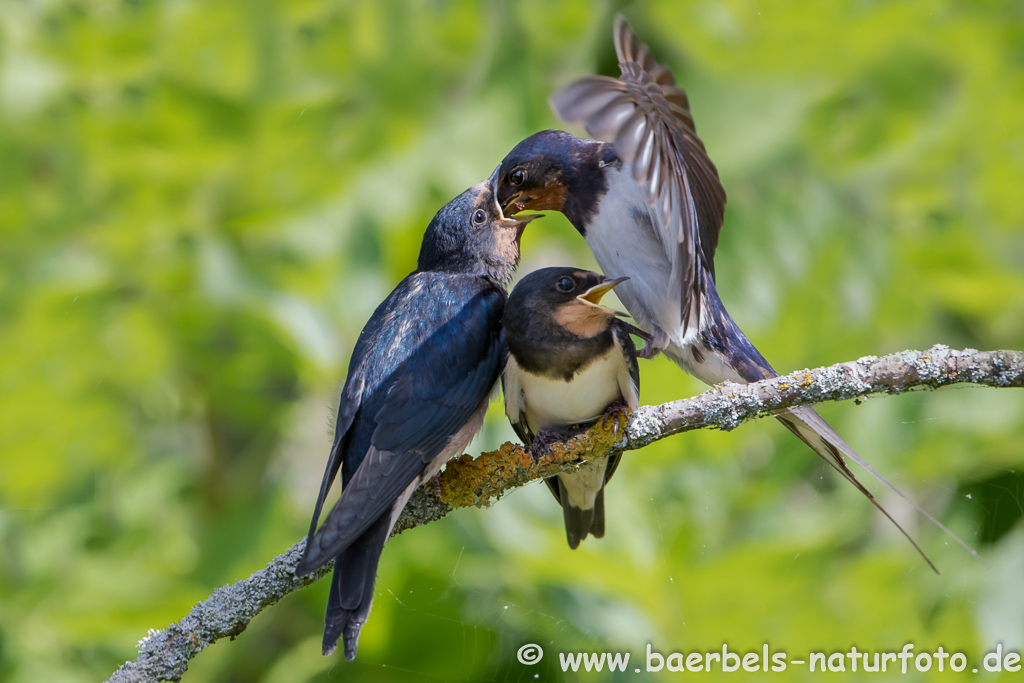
{"points": [[617, 416], [478, 482]]}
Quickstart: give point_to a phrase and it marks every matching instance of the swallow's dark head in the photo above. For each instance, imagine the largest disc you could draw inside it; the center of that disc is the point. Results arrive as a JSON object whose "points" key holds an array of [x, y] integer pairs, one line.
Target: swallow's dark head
{"points": [[533, 175], [566, 298], [552, 170], [470, 234]]}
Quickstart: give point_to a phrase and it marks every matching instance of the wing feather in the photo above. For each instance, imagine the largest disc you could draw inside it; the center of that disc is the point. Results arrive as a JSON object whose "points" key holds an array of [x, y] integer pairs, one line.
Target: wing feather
{"points": [[515, 408], [453, 355], [647, 119]]}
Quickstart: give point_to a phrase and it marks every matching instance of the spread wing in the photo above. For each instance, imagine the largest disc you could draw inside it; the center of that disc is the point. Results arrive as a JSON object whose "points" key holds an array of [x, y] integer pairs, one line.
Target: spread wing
{"points": [[648, 121], [450, 358]]}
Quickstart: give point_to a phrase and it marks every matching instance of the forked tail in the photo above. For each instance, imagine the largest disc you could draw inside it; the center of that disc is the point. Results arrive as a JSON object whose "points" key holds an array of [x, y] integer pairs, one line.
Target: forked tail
{"points": [[722, 349], [823, 440]]}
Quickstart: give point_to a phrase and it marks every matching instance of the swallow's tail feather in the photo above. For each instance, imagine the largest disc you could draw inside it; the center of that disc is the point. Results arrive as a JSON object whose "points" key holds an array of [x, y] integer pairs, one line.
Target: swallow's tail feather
{"points": [[597, 525], [737, 353], [812, 429], [351, 597], [721, 352], [581, 522], [581, 495]]}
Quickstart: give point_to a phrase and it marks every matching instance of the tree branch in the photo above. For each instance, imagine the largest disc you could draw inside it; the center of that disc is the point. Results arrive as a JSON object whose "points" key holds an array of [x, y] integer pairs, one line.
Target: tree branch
{"points": [[164, 655]]}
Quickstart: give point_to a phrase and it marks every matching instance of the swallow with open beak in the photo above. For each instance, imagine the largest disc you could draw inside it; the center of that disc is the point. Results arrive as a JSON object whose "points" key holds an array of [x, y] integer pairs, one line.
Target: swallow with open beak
{"points": [[418, 384], [648, 201], [571, 361]]}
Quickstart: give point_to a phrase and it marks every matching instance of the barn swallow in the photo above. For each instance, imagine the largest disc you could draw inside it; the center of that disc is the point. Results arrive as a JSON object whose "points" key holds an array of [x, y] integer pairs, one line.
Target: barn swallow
{"points": [[570, 362], [648, 201], [418, 384]]}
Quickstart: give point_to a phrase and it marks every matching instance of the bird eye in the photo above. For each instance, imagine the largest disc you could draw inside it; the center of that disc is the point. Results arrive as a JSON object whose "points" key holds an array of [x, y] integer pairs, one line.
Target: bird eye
{"points": [[517, 176], [479, 216], [565, 284]]}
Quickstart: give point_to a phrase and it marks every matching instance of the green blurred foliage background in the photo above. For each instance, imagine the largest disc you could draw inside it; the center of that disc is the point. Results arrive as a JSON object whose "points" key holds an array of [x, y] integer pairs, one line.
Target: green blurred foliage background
{"points": [[202, 202]]}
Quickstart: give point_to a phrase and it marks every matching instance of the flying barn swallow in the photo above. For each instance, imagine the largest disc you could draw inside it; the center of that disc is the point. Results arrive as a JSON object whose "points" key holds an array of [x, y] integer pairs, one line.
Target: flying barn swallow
{"points": [[650, 205], [418, 384], [570, 362]]}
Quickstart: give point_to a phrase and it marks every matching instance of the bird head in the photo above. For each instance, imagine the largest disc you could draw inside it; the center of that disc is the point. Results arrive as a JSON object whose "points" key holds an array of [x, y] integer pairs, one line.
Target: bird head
{"points": [[535, 175], [471, 234], [569, 298]]}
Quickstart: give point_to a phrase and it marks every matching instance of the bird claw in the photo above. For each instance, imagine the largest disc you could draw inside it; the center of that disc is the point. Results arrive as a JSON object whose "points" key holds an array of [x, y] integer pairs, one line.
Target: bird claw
{"points": [[653, 342], [637, 332], [648, 352], [435, 484], [619, 414], [542, 442]]}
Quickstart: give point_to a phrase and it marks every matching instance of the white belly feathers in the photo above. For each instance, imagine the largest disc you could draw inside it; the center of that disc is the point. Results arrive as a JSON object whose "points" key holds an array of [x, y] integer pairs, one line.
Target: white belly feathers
{"points": [[552, 402]]}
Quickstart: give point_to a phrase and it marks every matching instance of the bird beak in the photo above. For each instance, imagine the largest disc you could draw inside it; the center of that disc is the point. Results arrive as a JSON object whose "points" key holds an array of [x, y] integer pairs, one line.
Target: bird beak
{"points": [[513, 203], [510, 202], [592, 297], [520, 222], [493, 180]]}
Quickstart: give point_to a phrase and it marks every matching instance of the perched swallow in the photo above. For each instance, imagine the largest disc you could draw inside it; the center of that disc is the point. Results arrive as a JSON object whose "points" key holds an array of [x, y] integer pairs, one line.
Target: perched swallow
{"points": [[650, 205], [570, 362], [418, 385]]}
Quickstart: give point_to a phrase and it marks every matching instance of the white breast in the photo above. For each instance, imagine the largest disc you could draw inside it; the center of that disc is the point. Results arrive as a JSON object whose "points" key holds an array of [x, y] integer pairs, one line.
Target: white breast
{"points": [[623, 246], [555, 403]]}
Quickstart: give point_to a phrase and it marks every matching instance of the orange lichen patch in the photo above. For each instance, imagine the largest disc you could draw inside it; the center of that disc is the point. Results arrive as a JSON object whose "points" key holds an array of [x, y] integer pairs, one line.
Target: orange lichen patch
{"points": [[808, 381], [468, 481]]}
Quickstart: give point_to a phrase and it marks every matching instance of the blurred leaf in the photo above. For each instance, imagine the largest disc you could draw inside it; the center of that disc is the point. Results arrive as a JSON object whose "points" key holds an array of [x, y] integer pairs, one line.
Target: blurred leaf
{"points": [[202, 203]]}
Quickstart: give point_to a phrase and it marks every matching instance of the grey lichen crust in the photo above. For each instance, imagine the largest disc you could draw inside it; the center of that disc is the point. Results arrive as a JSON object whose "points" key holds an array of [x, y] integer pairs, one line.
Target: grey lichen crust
{"points": [[164, 655], [729, 405]]}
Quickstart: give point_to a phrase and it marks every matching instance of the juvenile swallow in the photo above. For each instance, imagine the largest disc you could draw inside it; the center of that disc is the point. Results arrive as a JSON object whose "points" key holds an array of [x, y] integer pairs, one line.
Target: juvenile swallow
{"points": [[570, 362], [648, 201], [418, 385]]}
